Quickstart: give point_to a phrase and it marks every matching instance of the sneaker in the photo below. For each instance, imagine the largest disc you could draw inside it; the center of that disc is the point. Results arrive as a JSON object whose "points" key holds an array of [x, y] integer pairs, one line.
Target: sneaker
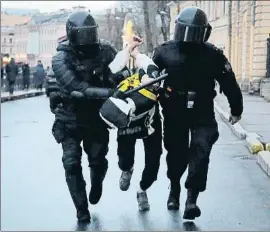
{"points": [[125, 178], [143, 201]]}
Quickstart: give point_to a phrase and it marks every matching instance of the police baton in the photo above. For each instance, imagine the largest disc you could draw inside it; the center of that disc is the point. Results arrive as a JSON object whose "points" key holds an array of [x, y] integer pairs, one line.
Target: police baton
{"points": [[79, 95], [144, 85]]}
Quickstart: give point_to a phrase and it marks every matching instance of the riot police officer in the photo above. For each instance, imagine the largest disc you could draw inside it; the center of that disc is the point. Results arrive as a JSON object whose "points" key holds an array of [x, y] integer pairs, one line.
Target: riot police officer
{"points": [[81, 66], [192, 65]]}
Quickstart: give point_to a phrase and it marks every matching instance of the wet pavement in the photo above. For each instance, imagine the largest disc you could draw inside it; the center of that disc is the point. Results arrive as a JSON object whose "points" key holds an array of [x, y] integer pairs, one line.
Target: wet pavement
{"points": [[34, 195], [255, 116]]}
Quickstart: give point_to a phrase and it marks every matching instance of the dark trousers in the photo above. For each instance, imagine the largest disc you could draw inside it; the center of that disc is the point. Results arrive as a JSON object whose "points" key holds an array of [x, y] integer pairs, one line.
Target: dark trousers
{"points": [[11, 85], [95, 144], [193, 153], [39, 86], [153, 151], [26, 81]]}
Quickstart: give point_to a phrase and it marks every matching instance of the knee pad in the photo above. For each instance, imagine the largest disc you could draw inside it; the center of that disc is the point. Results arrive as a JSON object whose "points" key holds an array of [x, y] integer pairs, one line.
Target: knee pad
{"points": [[70, 162]]}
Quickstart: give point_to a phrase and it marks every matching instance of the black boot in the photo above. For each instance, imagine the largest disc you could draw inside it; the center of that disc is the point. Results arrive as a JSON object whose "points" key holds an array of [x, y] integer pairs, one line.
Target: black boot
{"points": [[173, 200], [192, 210], [83, 216], [76, 185], [97, 176]]}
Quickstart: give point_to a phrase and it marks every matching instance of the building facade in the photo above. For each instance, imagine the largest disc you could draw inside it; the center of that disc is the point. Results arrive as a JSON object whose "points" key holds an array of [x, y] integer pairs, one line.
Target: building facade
{"points": [[8, 38], [7, 41], [240, 29], [37, 39]]}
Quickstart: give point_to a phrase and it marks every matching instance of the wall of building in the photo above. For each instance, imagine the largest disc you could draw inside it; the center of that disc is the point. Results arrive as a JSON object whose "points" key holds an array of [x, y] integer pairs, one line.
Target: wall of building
{"points": [[21, 40], [7, 41], [38, 41], [49, 33], [8, 38]]}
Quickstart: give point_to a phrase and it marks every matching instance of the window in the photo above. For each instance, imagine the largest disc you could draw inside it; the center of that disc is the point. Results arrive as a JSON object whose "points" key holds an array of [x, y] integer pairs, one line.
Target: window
{"points": [[10, 40], [10, 51], [238, 5], [5, 40], [208, 7], [210, 12], [253, 12], [224, 8]]}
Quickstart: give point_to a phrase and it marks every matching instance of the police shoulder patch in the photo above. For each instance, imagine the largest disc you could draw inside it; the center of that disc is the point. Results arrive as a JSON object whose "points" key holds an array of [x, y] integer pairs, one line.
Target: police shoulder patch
{"points": [[228, 66]]}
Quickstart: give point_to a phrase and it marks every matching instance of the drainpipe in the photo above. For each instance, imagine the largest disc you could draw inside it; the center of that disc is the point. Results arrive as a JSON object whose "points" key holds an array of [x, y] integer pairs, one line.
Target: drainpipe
{"points": [[230, 29]]}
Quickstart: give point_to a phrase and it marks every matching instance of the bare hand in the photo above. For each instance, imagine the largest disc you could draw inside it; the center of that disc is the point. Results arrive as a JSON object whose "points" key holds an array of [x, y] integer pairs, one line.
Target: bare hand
{"points": [[135, 52], [146, 79], [134, 42], [234, 119]]}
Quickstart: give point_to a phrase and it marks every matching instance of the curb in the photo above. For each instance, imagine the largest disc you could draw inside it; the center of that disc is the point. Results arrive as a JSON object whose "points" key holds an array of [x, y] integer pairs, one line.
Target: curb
{"points": [[263, 160], [267, 146], [252, 139], [21, 96]]}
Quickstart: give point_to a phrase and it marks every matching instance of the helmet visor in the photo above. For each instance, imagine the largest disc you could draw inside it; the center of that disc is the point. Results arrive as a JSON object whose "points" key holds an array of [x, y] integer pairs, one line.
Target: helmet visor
{"points": [[189, 33], [84, 35]]}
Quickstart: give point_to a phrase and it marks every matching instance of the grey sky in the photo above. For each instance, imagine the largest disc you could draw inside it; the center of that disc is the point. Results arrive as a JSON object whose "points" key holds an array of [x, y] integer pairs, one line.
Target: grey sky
{"points": [[48, 6]]}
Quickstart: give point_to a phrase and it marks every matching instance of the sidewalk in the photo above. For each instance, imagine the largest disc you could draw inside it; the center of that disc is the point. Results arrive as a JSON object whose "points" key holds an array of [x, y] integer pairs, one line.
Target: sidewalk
{"points": [[20, 95], [256, 115], [254, 126]]}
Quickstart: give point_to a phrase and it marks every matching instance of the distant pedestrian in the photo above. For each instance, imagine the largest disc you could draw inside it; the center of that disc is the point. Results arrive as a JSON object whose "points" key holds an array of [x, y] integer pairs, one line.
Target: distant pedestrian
{"points": [[39, 76], [2, 74], [26, 76], [11, 72]]}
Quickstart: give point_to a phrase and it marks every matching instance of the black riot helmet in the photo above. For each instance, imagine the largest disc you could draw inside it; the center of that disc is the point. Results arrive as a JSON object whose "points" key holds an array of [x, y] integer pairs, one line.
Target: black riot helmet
{"points": [[191, 25], [81, 29]]}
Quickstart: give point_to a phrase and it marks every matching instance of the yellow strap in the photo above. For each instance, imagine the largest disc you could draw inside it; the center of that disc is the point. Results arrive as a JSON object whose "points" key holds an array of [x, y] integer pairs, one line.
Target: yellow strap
{"points": [[148, 94], [132, 82]]}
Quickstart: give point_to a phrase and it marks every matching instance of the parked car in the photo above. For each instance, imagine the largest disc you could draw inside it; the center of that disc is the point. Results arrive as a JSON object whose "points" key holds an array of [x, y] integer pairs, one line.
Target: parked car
{"points": [[50, 83]]}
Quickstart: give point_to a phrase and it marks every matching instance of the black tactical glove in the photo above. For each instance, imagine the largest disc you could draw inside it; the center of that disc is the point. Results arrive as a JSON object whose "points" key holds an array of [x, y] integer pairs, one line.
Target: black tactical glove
{"points": [[234, 119], [55, 100], [77, 95]]}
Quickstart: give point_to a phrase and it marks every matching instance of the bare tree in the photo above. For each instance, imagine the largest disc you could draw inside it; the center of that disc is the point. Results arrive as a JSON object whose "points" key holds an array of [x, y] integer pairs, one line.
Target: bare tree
{"points": [[109, 22], [150, 20], [163, 11], [135, 10], [147, 25]]}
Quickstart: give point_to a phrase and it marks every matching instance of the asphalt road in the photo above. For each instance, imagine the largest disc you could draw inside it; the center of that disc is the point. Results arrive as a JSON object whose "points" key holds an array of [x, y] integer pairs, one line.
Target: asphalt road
{"points": [[34, 195]]}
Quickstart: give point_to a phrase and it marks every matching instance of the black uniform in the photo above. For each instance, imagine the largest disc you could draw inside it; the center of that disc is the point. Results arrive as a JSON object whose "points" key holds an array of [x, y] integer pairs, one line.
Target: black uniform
{"points": [[81, 65], [192, 65]]}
